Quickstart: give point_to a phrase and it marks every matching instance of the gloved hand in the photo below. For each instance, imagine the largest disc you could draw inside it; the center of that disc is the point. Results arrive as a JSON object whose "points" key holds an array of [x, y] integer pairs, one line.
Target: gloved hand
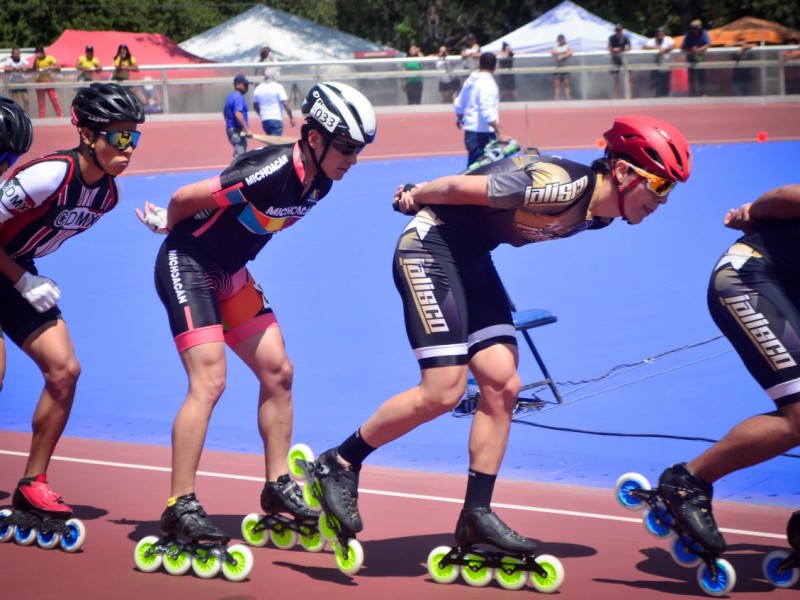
{"points": [[154, 218], [41, 292]]}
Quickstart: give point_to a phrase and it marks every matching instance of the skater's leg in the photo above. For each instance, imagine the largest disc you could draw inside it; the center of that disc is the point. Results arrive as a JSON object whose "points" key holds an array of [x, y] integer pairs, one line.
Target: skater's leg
{"points": [[206, 368], [751, 442], [51, 349]]}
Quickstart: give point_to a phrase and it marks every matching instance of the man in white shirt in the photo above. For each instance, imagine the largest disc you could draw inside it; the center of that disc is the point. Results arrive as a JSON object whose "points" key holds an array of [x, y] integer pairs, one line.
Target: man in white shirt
{"points": [[660, 76], [269, 101], [476, 108]]}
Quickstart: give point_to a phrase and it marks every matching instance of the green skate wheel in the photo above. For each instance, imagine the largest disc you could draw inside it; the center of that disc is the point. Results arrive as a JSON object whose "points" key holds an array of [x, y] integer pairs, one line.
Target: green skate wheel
{"points": [[509, 576], [244, 563], [176, 561], [441, 574], [257, 538], [6, 531], [723, 584], [145, 555], [627, 483], [475, 572], [312, 541], [325, 528], [283, 539], [48, 539], [355, 557], [555, 575], [72, 540], [298, 451], [310, 499], [206, 564]]}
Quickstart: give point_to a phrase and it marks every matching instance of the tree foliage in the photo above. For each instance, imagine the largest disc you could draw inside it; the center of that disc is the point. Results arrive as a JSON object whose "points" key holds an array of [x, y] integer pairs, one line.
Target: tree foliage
{"points": [[395, 23]]}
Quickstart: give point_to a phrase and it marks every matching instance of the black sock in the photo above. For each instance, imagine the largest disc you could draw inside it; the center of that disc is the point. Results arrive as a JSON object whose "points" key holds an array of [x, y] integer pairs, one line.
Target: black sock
{"points": [[480, 488], [355, 450]]}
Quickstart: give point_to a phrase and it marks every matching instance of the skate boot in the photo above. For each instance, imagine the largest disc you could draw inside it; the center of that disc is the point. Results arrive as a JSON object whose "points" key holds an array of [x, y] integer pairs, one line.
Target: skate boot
{"points": [[483, 526], [186, 517], [340, 490], [689, 501], [40, 516], [284, 496]]}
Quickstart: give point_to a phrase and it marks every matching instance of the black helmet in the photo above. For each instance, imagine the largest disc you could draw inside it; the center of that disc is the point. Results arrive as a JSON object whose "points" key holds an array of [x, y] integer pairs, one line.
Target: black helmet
{"points": [[102, 103], [16, 131], [338, 110]]}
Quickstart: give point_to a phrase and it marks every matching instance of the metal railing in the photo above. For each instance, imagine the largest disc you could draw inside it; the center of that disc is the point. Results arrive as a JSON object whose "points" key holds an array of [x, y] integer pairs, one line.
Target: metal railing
{"points": [[202, 88]]}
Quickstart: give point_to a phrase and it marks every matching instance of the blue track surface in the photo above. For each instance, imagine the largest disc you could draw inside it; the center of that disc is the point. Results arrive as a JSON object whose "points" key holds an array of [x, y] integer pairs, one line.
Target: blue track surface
{"points": [[622, 295]]}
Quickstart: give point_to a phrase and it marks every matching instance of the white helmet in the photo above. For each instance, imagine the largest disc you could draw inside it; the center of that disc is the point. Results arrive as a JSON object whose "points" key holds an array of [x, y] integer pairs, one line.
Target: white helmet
{"points": [[338, 110]]}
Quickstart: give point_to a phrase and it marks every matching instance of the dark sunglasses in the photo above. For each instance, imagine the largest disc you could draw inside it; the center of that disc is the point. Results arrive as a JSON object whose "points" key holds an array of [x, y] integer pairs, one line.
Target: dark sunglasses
{"points": [[122, 139], [9, 157], [346, 149]]}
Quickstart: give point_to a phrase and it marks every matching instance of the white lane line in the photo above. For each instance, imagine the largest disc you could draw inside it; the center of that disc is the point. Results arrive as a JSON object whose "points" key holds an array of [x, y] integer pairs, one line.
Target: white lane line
{"points": [[551, 511]]}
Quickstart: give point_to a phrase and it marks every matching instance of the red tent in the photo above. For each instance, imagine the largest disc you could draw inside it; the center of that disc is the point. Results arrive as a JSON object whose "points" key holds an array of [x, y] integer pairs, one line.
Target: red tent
{"points": [[146, 48]]}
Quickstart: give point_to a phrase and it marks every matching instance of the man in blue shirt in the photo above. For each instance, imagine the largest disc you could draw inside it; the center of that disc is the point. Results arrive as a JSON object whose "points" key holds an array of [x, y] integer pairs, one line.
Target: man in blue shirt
{"points": [[695, 43], [236, 124]]}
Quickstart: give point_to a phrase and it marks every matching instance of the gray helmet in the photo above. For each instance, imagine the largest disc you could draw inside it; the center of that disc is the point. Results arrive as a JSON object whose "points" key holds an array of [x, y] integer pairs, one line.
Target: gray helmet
{"points": [[338, 110], [102, 103], [16, 131]]}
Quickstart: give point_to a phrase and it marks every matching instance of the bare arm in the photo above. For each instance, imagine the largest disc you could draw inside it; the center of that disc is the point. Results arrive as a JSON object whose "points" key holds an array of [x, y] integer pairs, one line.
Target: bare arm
{"points": [[778, 203], [188, 200], [453, 189]]}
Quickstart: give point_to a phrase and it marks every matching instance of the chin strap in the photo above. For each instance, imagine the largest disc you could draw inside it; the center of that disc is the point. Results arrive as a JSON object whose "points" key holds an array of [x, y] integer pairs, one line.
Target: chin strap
{"points": [[622, 190], [318, 161], [93, 154]]}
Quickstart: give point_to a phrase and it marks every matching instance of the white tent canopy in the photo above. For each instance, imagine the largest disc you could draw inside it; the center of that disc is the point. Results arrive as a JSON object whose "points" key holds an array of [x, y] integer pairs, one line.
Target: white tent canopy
{"points": [[290, 38], [584, 31]]}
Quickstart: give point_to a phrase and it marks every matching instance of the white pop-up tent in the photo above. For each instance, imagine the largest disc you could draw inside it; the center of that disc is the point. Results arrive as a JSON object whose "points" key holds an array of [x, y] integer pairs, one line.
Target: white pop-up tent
{"points": [[584, 31]]}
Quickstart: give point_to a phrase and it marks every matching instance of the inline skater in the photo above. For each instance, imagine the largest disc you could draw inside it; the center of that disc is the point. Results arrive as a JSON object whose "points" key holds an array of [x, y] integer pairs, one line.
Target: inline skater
{"points": [[16, 137], [754, 298], [215, 228], [456, 311], [44, 203]]}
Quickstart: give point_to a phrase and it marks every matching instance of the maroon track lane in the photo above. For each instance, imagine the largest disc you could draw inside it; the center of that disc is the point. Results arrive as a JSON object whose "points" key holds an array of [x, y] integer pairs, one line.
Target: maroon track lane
{"points": [[119, 490]]}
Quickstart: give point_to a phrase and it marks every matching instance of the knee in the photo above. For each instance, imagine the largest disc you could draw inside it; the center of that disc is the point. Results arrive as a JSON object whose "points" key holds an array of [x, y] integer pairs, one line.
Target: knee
{"points": [[62, 378], [440, 401], [277, 377], [500, 394]]}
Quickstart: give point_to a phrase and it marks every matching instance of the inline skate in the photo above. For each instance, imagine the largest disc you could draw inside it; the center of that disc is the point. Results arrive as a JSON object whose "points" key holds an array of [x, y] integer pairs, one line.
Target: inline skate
{"points": [[190, 540], [333, 491], [283, 496], [40, 516], [510, 564], [681, 508], [782, 568]]}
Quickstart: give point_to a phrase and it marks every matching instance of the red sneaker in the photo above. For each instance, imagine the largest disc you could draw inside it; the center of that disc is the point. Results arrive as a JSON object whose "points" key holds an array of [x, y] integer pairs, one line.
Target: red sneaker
{"points": [[36, 494]]}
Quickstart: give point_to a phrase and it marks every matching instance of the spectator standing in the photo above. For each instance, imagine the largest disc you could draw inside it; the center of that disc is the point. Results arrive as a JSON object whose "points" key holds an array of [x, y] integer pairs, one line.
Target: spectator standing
{"points": [[471, 53], [269, 102], [618, 45], [561, 53], [742, 74], [694, 45], [269, 63], [476, 108], [448, 83], [43, 65], [14, 68], [88, 64], [663, 44], [124, 63], [412, 84], [237, 125], [506, 81]]}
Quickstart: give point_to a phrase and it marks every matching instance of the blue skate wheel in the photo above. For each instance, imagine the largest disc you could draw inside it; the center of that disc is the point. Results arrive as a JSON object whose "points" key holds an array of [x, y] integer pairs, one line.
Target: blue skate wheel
{"points": [[685, 551], [72, 539], [25, 536], [780, 579], [48, 539], [627, 483], [723, 584], [656, 522], [7, 530]]}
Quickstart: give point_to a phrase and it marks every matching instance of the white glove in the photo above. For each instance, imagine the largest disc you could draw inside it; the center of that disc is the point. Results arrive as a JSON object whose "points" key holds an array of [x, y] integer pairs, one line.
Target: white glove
{"points": [[41, 292], [154, 217]]}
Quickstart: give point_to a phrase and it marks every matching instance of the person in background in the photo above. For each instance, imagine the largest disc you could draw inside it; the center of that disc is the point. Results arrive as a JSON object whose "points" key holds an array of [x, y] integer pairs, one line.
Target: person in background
{"points": [[618, 45], [742, 74], [44, 65], [88, 64], [663, 44], [477, 106], [470, 53], [14, 69], [506, 81], [237, 123], [124, 64], [561, 53], [449, 84], [269, 103], [694, 45], [412, 83], [269, 63], [16, 137]]}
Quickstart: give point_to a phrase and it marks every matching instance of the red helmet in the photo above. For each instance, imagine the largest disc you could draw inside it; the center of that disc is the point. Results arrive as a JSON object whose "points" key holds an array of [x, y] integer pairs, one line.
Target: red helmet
{"points": [[654, 145]]}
